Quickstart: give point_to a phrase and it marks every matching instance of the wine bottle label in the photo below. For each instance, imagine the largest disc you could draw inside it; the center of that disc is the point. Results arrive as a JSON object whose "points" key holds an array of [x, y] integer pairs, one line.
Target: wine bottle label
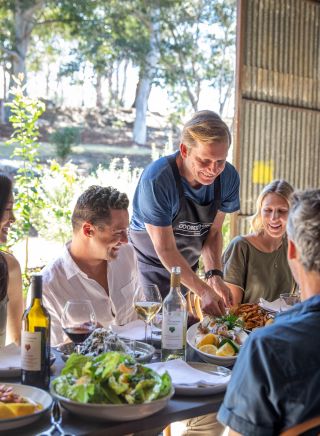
{"points": [[173, 330], [31, 351]]}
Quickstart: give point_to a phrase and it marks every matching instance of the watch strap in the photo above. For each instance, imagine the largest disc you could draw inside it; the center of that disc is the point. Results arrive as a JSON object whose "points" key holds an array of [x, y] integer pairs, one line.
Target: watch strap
{"points": [[213, 272]]}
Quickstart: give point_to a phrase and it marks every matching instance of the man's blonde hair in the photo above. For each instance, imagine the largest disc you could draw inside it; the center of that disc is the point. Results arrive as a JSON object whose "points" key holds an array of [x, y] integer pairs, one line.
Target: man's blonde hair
{"points": [[205, 127], [279, 187]]}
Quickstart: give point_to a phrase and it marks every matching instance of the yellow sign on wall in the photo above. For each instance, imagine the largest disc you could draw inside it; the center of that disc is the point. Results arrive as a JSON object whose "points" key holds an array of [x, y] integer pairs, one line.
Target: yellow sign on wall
{"points": [[262, 172]]}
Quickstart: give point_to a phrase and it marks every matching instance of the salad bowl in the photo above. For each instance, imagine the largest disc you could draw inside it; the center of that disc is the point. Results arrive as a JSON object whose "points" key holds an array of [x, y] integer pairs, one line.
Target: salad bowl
{"points": [[114, 412], [111, 386]]}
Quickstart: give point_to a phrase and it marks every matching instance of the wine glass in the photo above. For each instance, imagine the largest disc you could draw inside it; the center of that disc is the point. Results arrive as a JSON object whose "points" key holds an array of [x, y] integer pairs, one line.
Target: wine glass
{"points": [[78, 321], [147, 302]]}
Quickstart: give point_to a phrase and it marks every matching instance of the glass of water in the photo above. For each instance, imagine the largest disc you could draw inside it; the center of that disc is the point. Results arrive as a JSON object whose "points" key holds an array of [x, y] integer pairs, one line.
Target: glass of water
{"points": [[287, 301]]}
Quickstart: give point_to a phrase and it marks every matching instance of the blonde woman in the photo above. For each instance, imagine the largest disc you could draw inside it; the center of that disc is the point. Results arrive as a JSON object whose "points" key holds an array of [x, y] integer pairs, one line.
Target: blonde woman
{"points": [[255, 265], [11, 301]]}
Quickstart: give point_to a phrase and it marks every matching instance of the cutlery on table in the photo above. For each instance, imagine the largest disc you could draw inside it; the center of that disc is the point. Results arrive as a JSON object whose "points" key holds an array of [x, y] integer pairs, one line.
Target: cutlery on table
{"points": [[56, 420]]}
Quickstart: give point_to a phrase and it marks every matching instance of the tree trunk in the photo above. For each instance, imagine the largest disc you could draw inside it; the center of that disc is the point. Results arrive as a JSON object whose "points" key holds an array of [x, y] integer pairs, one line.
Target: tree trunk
{"points": [[111, 96], [24, 23], [99, 99], [140, 122], [124, 82], [117, 81], [134, 104], [48, 83]]}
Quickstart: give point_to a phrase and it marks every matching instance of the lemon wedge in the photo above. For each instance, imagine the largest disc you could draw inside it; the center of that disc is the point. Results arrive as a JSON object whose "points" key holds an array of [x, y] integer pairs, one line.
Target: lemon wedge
{"points": [[209, 339], [208, 348], [225, 350]]}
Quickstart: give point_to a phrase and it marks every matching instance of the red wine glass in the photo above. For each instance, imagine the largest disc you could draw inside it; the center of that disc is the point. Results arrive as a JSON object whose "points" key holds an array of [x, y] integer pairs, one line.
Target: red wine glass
{"points": [[78, 321]]}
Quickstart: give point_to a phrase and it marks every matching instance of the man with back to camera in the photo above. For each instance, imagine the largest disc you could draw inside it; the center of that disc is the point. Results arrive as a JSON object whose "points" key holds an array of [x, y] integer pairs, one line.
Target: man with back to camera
{"points": [[276, 379], [97, 264], [179, 208]]}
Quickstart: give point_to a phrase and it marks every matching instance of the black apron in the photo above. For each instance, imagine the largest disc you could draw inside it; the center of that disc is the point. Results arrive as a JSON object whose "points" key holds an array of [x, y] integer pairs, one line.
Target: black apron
{"points": [[190, 226]]}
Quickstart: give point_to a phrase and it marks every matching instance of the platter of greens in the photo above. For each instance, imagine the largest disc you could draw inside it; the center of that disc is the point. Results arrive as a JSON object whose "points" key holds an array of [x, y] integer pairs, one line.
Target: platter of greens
{"points": [[111, 386]]}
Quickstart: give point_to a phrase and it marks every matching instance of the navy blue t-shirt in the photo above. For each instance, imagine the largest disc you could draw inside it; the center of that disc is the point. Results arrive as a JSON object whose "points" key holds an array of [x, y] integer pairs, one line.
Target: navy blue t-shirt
{"points": [[156, 200]]}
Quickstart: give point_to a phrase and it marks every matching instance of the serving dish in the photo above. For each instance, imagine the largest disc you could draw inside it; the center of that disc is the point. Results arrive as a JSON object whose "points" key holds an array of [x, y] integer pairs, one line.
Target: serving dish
{"points": [[143, 352], [34, 394], [114, 412], [192, 338]]}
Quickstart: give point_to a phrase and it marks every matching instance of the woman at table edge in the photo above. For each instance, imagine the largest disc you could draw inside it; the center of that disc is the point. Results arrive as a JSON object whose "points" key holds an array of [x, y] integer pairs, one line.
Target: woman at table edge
{"points": [[11, 300], [255, 265]]}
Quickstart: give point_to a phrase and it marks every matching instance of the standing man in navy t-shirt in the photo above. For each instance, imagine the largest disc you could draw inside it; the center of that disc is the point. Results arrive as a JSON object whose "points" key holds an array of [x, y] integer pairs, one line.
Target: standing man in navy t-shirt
{"points": [[179, 208]]}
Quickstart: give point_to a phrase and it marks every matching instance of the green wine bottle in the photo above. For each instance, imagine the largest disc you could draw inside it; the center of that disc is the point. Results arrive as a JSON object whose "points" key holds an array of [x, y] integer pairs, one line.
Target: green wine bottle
{"points": [[35, 339]]}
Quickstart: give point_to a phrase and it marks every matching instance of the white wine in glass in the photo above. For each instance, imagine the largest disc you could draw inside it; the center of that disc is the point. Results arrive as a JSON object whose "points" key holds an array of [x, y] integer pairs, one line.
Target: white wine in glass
{"points": [[147, 303]]}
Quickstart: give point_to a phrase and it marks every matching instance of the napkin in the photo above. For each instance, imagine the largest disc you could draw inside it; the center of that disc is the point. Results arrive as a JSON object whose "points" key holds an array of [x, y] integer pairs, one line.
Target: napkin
{"points": [[271, 306], [10, 357], [132, 330], [183, 374]]}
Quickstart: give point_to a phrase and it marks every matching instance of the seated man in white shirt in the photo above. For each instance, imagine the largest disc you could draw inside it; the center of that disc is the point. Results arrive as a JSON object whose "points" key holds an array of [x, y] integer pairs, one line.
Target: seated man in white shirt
{"points": [[97, 264]]}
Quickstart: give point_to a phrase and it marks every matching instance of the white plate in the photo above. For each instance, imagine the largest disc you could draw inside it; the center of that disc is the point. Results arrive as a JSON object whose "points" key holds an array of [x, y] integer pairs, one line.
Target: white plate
{"points": [[204, 390], [35, 394], [16, 372], [114, 412], [209, 358]]}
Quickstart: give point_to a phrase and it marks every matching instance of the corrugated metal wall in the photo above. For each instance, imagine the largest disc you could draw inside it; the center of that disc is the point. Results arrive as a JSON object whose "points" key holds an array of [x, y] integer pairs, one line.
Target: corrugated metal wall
{"points": [[278, 97]]}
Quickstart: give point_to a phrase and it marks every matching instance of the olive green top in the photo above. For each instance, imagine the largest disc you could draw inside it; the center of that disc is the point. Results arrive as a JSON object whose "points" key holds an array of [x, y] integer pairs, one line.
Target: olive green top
{"points": [[259, 274]]}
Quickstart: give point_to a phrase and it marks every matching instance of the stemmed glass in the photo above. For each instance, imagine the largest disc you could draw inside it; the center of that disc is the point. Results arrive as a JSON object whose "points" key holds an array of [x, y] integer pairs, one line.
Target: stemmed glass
{"points": [[78, 321], [147, 302]]}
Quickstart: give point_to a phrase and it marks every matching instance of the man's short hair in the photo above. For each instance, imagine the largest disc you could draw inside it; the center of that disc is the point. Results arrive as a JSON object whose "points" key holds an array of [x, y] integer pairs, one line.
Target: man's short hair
{"points": [[95, 205], [205, 127], [303, 227]]}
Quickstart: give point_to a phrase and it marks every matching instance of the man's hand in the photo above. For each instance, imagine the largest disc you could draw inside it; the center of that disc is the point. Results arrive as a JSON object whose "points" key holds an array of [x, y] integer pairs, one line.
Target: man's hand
{"points": [[221, 289], [211, 303]]}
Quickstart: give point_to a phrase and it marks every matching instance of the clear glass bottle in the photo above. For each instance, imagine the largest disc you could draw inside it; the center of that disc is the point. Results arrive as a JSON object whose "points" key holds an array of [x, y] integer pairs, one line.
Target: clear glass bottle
{"points": [[174, 320], [35, 339]]}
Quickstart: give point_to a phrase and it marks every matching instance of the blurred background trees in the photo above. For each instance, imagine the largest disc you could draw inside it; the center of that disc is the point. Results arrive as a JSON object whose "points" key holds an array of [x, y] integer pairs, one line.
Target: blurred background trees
{"points": [[182, 47]]}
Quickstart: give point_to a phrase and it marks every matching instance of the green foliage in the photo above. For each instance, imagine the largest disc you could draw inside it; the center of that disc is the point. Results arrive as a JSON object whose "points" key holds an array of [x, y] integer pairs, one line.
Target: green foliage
{"points": [[64, 139], [25, 112], [62, 184], [197, 38], [226, 229]]}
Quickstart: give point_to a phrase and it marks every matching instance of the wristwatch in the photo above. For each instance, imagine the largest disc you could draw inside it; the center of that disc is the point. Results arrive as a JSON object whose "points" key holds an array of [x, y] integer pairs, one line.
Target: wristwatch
{"points": [[213, 272]]}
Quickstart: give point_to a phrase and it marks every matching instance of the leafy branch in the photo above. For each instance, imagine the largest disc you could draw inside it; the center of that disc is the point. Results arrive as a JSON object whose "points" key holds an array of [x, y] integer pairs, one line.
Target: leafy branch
{"points": [[25, 112]]}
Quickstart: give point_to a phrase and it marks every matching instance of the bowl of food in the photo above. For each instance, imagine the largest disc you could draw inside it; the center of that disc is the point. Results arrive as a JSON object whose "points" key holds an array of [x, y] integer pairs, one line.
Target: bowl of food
{"points": [[21, 405], [217, 339], [111, 386], [102, 340]]}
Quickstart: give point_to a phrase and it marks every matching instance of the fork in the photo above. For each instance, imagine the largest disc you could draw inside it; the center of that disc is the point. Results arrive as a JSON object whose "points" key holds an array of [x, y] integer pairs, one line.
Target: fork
{"points": [[55, 419]]}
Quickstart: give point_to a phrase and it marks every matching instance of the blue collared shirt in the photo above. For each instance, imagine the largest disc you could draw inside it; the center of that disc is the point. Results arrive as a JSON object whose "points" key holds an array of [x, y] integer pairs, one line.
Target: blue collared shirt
{"points": [[275, 382]]}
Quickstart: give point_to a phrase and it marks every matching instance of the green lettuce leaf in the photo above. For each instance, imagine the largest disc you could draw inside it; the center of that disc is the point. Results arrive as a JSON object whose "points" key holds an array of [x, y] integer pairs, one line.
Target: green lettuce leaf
{"points": [[74, 365]]}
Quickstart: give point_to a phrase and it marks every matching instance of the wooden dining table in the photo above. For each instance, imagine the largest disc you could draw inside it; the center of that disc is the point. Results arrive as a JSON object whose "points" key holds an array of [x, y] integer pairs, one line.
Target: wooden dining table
{"points": [[179, 408]]}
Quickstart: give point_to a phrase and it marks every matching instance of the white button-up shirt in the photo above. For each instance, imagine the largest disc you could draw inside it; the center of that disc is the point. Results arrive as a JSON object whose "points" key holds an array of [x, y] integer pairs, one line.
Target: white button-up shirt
{"points": [[63, 280]]}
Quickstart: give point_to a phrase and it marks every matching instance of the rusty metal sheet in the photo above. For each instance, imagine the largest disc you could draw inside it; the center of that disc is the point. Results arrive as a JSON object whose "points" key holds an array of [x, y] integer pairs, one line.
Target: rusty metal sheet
{"points": [[278, 97]]}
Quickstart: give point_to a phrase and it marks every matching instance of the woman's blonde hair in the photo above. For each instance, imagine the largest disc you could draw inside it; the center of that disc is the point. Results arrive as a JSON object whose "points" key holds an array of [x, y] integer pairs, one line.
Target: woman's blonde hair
{"points": [[205, 127], [279, 187]]}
